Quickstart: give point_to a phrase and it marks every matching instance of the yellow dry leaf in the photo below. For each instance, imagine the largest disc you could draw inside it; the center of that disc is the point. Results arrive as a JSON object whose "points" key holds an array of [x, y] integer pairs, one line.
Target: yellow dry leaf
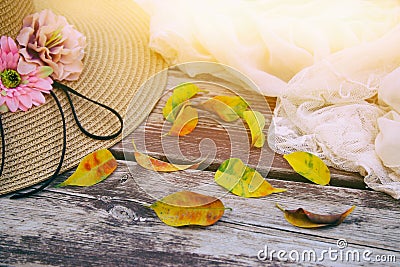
{"points": [[93, 169], [228, 108], [188, 208], [185, 122], [180, 94], [242, 180], [309, 166], [256, 122]]}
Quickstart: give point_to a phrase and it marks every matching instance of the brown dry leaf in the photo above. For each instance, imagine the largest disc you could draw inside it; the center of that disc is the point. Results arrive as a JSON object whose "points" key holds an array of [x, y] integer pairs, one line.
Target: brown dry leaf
{"points": [[305, 219]]}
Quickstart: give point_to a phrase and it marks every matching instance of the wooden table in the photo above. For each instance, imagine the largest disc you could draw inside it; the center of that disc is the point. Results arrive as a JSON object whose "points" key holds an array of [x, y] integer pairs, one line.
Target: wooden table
{"points": [[107, 224]]}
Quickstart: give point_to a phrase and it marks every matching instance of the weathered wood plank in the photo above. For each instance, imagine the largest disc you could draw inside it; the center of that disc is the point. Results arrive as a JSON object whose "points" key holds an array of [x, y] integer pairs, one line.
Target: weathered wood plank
{"points": [[107, 224], [63, 230], [101, 225], [67, 230], [374, 210], [218, 139], [138, 184], [265, 160]]}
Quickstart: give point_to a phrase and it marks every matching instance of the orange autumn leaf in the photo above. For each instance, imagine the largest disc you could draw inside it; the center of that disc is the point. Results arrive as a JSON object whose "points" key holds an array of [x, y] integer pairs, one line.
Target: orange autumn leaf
{"points": [[185, 122], [93, 169], [188, 208], [305, 219], [157, 165]]}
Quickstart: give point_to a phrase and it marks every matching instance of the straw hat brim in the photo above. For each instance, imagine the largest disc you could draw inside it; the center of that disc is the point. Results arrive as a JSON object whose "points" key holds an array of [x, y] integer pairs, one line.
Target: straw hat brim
{"points": [[117, 62]]}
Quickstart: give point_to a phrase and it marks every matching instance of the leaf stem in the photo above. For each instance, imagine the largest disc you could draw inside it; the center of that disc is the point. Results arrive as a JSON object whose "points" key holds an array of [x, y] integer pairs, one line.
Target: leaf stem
{"points": [[134, 145], [279, 207]]}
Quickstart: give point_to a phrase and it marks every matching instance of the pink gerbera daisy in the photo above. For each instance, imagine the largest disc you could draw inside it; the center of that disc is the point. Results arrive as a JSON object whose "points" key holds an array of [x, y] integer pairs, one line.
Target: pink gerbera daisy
{"points": [[18, 89]]}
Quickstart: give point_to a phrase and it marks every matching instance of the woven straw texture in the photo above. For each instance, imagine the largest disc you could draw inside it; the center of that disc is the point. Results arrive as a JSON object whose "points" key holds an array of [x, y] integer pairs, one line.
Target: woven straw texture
{"points": [[117, 62], [11, 14]]}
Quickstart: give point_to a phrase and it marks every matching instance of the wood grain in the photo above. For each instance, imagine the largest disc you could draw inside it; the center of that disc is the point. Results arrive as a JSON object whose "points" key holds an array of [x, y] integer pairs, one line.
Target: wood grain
{"points": [[107, 224], [215, 138]]}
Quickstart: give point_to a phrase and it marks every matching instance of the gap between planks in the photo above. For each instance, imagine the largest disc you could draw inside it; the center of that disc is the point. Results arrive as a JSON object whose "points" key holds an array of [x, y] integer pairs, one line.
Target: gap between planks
{"points": [[210, 126], [235, 239], [375, 211], [279, 169]]}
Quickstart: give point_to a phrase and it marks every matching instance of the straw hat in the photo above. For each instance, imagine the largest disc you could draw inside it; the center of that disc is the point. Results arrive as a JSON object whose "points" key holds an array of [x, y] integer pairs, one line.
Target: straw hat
{"points": [[117, 62]]}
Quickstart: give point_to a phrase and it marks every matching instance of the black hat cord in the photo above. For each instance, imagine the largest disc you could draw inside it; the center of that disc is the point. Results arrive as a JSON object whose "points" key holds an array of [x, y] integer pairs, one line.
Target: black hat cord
{"points": [[67, 90]]}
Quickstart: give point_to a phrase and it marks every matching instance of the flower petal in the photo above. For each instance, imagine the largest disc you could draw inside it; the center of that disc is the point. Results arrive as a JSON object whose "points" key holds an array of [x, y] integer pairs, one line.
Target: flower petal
{"points": [[23, 36], [37, 98], [12, 103], [4, 44], [42, 84], [22, 107], [10, 61], [13, 46], [25, 67], [25, 100], [72, 69], [14, 63]]}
